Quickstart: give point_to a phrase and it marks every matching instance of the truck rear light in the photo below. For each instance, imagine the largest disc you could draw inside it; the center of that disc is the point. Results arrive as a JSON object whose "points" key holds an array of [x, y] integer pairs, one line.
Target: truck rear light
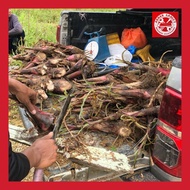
{"points": [[168, 137], [58, 33], [170, 109], [170, 130], [167, 147], [167, 153]]}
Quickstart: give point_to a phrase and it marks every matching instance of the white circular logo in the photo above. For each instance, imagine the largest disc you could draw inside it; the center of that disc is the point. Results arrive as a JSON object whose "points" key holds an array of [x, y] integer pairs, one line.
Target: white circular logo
{"points": [[165, 24]]}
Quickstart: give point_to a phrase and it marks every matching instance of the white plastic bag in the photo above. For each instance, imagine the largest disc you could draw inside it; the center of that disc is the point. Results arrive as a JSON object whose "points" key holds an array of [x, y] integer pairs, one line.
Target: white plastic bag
{"points": [[116, 49]]}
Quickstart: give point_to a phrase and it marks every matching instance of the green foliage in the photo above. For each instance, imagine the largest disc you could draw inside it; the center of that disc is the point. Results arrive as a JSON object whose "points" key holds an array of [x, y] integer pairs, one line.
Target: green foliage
{"points": [[114, 149], [38, 24], [16, 63]]}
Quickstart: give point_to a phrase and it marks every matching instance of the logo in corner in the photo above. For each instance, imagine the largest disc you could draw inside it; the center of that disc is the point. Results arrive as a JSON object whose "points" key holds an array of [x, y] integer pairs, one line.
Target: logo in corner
{"points": [[165, 24]]}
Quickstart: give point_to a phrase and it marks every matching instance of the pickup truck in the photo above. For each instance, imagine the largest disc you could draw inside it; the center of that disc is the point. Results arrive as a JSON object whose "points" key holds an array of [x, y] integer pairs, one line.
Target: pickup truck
{"points": [[78, 27]]}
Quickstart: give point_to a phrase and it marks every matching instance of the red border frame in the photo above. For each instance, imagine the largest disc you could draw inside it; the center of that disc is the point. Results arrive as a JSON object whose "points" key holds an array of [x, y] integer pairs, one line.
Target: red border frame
{"points": [[4, 183]]}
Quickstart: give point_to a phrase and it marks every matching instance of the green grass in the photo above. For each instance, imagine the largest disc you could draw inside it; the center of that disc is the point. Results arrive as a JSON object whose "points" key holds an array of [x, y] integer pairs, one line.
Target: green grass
{"points": [[38, 24], [41, 23]]}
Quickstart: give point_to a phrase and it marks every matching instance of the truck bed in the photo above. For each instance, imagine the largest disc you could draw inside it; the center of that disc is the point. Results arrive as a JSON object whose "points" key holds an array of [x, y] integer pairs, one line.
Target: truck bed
{"points": [[73, 26]]}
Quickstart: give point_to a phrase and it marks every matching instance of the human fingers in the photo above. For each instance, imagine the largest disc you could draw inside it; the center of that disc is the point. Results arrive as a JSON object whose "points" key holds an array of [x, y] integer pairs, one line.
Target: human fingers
{"points": [[33, 96], [31, 108], [31, 101], [48, 136]]}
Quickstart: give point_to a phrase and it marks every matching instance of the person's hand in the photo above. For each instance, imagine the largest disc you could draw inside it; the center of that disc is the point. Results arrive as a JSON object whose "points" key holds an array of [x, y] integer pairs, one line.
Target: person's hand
{"points": [[43, 152], [24, 94]]}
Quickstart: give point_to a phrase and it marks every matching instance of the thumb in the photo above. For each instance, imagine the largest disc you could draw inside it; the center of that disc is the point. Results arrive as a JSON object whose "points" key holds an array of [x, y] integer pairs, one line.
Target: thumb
{"points": [[48, 136], [31, 108]]}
